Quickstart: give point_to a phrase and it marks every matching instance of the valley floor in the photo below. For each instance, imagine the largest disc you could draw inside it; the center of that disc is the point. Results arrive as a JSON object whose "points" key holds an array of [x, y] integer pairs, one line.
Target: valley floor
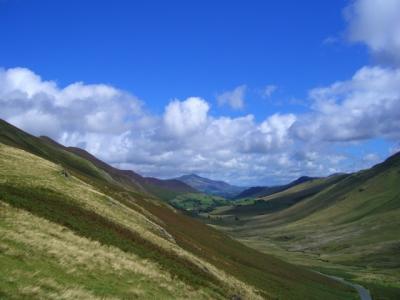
{"points": [[383, 284], [349, 228]]}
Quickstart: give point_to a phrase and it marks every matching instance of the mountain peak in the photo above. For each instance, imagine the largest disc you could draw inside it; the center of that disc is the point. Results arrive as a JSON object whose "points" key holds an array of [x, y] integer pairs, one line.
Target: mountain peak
{"points": [[209, 186], [192, 175]]}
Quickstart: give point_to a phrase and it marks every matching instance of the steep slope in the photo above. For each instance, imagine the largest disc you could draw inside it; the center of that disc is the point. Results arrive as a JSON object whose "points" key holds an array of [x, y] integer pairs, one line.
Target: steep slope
{"points": [[283, 199], [11, 135], [351, 226], [164, 188], [54, 219], [263, 191], [212, 187], [81, 213], [83, 162]]}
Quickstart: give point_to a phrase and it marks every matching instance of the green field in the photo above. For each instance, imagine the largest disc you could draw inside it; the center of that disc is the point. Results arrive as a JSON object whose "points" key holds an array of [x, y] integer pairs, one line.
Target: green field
{"points": [[197, 203], [348, 228], [70, 230]]}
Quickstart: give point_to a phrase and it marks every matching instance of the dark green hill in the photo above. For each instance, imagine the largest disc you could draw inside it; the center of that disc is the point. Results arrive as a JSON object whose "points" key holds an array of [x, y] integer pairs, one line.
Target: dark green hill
{"points": [[280, 200], [263, 191], [349, 227]]}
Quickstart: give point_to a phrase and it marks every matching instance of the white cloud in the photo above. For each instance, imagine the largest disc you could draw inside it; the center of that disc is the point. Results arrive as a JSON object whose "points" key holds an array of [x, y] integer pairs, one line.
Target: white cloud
{"points": [[112, 125], [377, 24], [234, 98], [187, 116], [271, 135], [367, 106], [35, 104], [18, 81], [268, 90]]}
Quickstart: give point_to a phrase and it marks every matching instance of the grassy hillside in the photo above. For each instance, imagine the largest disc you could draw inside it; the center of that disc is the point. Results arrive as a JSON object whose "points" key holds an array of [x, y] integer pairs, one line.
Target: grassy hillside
{"points": [[349, 228], [263, 191], [53, 217], [279, 200], [41, 259], [83, 163], [155, 186], [15, 137], [146, 230], [42, 193]]}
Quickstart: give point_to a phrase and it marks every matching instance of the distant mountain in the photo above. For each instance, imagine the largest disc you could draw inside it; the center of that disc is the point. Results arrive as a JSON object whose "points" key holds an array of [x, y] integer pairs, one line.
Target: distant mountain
{"points": [[212, 187], [263, 191]]}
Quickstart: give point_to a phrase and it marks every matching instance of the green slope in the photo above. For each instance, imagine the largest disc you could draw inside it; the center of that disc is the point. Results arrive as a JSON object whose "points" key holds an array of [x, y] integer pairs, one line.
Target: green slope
{"points": [[350, 227], [279, 200], [264, 191], [83, 163], [12, 136], [75, 233], [31, 184], [165, 189]]}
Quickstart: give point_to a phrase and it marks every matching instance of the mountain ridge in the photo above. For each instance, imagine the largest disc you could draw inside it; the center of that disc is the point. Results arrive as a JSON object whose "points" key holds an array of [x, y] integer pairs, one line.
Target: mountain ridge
{"points": [[263, 191], [149, 182], [210, 186]]}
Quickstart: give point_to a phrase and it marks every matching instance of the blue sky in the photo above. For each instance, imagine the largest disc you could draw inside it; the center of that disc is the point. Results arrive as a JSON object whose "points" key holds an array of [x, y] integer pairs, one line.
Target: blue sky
{"points": [[161, 50], [158, 51]]}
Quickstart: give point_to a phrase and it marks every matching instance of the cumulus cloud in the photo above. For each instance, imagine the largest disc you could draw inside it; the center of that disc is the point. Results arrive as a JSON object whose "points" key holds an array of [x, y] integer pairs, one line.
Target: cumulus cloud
{"points": [[271, 135], [114, 125], [234, 98], [368, 105], [186, 117], [365, 107], [377, 24], [42, 107]]}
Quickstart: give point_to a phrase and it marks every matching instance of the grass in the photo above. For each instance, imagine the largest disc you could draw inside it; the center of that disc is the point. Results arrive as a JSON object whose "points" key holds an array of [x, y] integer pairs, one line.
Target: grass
{"points": [[205, 261], [197, 203], [280, 200], [94, 207], [14, 137], [40, 259], [95, 216], [275, 278], [350, 227]]}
